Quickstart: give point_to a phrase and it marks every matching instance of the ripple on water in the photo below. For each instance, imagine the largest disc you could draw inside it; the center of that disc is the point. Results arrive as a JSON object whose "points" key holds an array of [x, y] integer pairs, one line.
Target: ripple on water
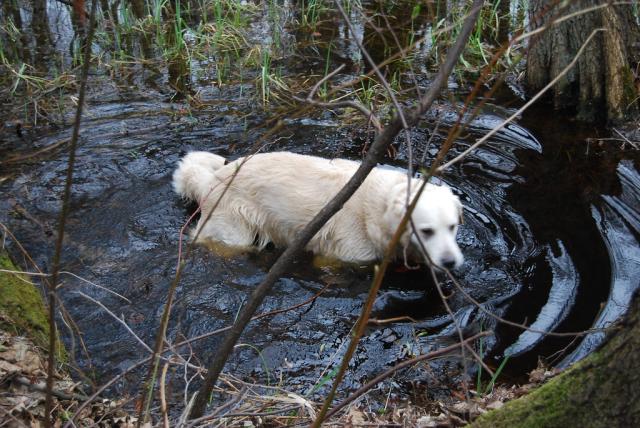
{"points": [[125, 221]]}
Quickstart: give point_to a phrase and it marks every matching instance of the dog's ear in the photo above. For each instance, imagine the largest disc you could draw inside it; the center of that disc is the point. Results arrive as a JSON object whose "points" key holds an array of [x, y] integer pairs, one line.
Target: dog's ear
{"points": [[460, 211]]}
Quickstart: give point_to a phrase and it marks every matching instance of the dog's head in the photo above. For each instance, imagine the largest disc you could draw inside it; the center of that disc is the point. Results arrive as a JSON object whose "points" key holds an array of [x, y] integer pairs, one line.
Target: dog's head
{"points": [[436, 218]]}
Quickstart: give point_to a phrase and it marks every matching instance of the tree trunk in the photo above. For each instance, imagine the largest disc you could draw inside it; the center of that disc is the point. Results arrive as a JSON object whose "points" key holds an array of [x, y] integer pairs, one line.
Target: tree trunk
{"points": [[601, 84], [40, 27], [601, 391], [137, 7]]}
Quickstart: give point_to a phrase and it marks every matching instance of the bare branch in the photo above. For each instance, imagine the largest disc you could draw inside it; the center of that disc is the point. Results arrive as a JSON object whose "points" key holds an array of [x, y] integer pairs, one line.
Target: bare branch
{"points": [[63, 216], [163, 398], [117, 318], [321, 81], [377, 150], [338, 104], [484, 310], [521, 109], [390, 372], [373, 65], [425, 103]]}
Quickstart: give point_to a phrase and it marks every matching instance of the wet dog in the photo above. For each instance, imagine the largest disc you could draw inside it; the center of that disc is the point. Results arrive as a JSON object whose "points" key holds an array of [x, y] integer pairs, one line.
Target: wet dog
{"points": [[271, 197]]}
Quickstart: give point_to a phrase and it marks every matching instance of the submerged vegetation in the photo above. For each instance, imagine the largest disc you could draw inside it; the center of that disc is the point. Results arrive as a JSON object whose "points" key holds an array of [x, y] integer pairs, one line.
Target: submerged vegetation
{"points": [[189, 48]]}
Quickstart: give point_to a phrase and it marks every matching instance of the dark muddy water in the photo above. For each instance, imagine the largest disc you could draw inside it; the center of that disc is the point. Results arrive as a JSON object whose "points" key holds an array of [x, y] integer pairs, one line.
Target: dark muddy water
{"points": [[550, 238], [551, 235]]}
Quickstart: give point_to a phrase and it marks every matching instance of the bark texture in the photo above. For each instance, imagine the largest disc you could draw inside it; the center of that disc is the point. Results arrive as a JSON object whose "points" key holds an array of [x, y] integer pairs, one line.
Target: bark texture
{"points": [[601, 391], [601, 84], [40, 27]]}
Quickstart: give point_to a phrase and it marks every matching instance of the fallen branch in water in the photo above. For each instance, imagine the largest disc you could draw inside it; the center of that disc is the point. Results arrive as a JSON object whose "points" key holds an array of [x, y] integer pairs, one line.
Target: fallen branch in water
{"points": [[144, 361], [374, 155], [390, 372], [339, 104]]}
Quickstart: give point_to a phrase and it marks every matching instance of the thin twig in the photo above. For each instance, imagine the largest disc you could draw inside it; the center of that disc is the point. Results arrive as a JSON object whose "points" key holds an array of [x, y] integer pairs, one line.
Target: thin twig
{"points": [[377, 150], [315, 88], [63, 217], [390, 372], [521, 109], [64, 272], [140, 363], [373, 65], [117, 318], [633, 144], [339, 104], [425, 103], [484, 310], [163, 398], [443, 298], [228, 404]]}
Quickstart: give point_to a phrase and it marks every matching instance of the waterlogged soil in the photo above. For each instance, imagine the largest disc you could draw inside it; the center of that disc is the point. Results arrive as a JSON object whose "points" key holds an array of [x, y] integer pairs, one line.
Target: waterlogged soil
{"points": [[550, 237]]}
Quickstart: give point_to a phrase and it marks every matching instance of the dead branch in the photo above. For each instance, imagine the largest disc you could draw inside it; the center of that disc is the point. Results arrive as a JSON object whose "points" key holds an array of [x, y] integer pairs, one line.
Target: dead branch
{"points": [[163, 398], [523, 108], [63, 216], [390, 372], [339, 104], [144, 361], [377, 150]]}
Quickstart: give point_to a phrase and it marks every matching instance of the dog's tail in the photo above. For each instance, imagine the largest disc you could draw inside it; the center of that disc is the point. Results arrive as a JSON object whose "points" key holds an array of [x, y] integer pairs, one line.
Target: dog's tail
{"points": [[195, 175]]}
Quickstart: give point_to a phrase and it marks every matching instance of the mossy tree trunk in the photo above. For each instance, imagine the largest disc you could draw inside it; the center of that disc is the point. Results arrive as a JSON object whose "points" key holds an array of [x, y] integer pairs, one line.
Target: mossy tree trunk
{"points": [[601, 84], [601, 391]]}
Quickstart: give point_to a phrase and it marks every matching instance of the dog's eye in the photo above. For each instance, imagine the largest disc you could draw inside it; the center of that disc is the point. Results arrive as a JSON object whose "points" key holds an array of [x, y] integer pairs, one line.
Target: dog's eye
{"points": [[428, 232], [452, 227]]}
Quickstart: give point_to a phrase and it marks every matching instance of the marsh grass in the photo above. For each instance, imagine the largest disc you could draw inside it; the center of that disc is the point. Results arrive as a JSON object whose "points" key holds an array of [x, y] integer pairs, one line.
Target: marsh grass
{"points": [[310, 12], [482, 390], [223, 42]]}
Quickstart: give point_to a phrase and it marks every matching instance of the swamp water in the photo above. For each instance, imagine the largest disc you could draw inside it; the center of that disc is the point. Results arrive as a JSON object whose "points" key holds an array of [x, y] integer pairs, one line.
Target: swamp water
{"points": [[550, 239]]}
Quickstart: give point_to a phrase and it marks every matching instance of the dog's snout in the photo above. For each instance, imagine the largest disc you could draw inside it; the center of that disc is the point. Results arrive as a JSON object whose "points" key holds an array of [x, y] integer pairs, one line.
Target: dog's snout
{"points": [[450, 260], [449, 263]]}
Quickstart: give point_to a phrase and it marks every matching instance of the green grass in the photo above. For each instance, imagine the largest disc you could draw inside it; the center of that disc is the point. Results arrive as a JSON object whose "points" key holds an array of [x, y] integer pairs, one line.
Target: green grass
{"points": [[483, 390], [215, 35]]}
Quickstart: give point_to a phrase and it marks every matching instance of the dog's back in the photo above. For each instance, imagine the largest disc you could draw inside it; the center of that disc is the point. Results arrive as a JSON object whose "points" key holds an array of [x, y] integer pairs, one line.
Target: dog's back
{"points": [[195, 174]]}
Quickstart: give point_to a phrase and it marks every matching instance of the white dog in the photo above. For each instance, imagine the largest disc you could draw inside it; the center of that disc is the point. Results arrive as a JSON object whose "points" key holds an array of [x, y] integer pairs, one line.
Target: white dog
{"points": [[271, 197]]}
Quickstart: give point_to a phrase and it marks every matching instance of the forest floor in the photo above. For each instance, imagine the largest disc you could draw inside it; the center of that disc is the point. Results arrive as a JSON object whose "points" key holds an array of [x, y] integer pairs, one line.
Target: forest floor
{"points": [[22, 400]]}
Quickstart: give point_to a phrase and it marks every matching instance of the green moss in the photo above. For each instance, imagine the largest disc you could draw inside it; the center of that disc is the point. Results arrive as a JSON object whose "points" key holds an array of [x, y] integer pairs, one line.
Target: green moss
{"points": [[544, 407], [21, 305], [558, 403]]}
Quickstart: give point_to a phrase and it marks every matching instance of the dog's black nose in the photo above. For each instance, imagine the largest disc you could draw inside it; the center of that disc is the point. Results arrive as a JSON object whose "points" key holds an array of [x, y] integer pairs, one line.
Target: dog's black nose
{"points": [[449, 264]]}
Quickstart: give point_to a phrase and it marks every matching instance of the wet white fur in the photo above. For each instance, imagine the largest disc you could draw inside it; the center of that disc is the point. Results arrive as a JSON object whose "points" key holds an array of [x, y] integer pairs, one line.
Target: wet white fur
{"points": [[272, 196]]}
